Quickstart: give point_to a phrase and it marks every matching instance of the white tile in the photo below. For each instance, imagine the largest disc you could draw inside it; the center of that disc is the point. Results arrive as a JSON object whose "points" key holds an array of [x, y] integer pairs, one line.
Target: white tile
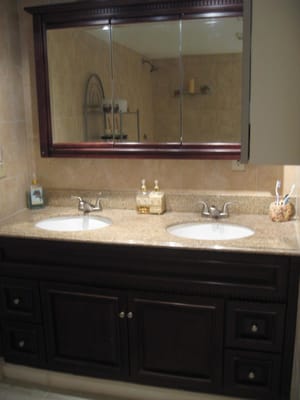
{"points": [[12, 392], [32, 376], [56, 396]]}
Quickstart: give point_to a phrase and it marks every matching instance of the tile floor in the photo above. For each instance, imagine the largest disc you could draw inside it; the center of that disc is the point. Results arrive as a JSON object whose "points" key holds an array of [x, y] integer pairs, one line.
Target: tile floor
{"points": [[12, 392]]}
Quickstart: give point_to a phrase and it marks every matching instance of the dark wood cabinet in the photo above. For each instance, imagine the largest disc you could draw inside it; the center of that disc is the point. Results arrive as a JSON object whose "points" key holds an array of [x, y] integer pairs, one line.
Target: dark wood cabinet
{"points": [[168, 339], [22, 332], [211, 321], [20, 299], [23, 343], [252, 374], [254, 343], [84, 330], [177, 340], [255, 326]]}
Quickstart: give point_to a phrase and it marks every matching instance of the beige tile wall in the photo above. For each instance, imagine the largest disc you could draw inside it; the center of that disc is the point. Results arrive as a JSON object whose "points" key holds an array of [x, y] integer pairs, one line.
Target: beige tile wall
{"points": [[75, 54], [132, 81], [125, 174], [214, 117], [12, 117]]}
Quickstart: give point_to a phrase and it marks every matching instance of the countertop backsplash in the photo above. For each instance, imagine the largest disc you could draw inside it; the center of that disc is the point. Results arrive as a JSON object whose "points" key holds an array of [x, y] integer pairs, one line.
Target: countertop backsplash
{"points": [[243, 202]]}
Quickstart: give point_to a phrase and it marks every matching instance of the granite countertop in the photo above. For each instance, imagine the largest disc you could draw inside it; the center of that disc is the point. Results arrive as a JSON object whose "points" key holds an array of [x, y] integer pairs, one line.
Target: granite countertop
{"points": [[129, 227]]}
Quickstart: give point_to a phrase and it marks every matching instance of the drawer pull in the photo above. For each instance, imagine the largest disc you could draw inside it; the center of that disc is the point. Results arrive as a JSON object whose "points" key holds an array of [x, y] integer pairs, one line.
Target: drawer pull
{"points": [[21, 344], [122, 314], [130, 315], [254, 328], [16, 301], [251, 375]]}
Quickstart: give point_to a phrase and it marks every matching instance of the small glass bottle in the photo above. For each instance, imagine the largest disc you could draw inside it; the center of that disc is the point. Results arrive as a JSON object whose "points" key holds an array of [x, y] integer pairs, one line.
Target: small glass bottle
{"points": [[35, 195], [157, 200], [142, 199]]}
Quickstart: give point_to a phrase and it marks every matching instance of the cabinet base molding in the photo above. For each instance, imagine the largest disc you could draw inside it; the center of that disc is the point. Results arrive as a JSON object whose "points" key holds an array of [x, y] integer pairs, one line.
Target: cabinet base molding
{"points": [[85, 386]]}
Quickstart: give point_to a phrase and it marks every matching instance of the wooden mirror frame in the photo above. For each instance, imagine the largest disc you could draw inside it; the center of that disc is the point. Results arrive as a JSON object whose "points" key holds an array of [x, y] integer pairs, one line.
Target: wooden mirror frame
{"points": [[90, 13]]}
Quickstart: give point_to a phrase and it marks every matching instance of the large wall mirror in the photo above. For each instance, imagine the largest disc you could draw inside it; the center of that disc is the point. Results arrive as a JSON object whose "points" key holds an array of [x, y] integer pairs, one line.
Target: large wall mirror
{"points": [[161, 79]]}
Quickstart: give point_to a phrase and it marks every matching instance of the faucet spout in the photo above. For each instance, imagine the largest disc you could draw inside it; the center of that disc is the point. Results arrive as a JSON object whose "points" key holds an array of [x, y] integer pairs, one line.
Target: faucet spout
{"points": [[213, 212], [86, 206]]}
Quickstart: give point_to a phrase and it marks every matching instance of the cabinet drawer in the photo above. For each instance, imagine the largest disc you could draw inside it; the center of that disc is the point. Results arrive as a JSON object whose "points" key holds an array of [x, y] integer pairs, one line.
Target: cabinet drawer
{"points": [[254, 375], [23, 343], [255, 326], [20, 299]]}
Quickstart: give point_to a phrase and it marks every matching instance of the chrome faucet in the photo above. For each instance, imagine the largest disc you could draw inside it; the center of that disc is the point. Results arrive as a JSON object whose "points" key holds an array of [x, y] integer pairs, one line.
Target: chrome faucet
{"points": [[86, 206], [213, 212]]}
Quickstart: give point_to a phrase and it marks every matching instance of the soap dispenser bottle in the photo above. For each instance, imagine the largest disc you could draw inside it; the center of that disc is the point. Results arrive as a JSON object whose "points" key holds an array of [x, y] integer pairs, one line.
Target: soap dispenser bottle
{"points": [[157, 200], [35, 195], [142, 199]]}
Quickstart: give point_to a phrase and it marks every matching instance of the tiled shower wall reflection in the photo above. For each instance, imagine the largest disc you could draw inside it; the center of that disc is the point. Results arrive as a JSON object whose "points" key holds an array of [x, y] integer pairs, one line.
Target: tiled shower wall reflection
{"points": [[210, 117], [70, 70]]}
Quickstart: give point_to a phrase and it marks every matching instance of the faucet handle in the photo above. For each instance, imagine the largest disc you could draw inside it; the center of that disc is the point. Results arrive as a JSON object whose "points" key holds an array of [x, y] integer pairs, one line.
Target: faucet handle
{"points": [[76, 198], [225, 212], [205, 210]]}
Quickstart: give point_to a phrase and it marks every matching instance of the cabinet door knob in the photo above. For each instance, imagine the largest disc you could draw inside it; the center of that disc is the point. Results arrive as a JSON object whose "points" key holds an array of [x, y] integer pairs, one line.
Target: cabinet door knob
{"points": [[122, 314], [254, 328], [16, 301], [251, 375], [130, 315], [21, 344]]}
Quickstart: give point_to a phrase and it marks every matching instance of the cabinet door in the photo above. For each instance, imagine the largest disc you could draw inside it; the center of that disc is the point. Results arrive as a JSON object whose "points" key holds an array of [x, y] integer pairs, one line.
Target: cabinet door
{"points": [[84, 331], [275, 82], [177, 342]]}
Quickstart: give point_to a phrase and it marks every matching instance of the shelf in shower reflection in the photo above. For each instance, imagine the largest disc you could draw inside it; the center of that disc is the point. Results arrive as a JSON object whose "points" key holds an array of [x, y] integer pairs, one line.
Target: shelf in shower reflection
{"points": [[203, 91], [117, 136]]}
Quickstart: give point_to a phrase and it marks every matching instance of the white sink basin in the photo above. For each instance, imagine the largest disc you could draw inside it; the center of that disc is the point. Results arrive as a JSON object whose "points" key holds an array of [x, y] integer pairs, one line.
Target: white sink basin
{"points": [[71, 223], [210, 231]]}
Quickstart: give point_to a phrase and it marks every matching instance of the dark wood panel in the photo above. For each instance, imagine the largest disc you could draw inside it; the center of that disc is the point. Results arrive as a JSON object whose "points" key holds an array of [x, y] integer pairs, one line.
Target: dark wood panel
{"points": [[83, 330], [1, 350], [177, 341], [252, 375], [290, 328], [255, 326], [23, 343], [191, 271], [20, 299]]}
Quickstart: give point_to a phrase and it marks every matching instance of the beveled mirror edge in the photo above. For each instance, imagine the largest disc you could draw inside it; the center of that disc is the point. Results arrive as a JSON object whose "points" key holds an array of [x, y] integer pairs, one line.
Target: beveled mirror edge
{"points": [[90, 13]]}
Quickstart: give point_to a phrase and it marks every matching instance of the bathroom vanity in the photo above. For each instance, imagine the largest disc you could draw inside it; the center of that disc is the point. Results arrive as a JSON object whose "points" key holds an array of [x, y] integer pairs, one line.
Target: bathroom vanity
{"points": [[201, 319]]}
